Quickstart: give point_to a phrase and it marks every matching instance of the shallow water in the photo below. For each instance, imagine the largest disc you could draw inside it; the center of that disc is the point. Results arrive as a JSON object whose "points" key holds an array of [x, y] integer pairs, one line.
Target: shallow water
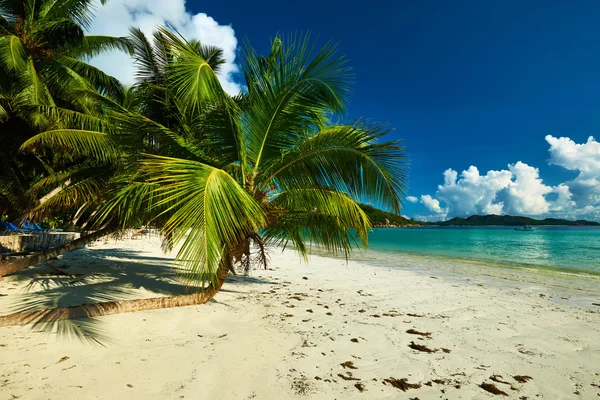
{"points": [[569, 249]]}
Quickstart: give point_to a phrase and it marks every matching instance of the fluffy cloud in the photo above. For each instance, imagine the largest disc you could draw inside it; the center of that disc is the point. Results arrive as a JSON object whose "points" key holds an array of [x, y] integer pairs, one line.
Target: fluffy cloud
{"points": [[577, 157], [583, 158], [473, 193], [432, 204], [519, 190], [411, 199], [116, 16], [526, 194]]}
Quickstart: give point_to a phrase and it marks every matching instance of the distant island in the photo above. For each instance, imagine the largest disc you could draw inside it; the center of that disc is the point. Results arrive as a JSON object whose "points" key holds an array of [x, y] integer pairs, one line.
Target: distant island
{"points": [[384, 219], [510, 220]]}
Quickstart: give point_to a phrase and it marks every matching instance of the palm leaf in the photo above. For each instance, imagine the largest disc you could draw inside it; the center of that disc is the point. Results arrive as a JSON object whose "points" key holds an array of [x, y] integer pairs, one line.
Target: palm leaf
{"points": [[289, 92], [190, 76], [12, 53], [209, 211], [323, 217], [80, 11], [83, 143], [93, 45], [143, 55], [103, 83], [348, 158]]}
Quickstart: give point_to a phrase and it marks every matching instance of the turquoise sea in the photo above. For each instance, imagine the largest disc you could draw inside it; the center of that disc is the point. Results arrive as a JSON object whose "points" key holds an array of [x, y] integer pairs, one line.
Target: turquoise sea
{"points": [[572, 249]]}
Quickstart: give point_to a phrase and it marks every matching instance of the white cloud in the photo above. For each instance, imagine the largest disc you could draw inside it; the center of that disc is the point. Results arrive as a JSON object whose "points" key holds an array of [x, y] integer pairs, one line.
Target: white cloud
{"points": [[578, 157], [432, 204], [519, 190], [584, 158], [411, 199], [117, 16], [526, 194], [473, 193]]}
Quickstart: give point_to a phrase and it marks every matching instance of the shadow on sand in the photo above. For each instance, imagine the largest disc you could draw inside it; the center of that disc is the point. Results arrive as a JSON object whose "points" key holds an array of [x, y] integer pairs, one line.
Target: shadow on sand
{"points": [[91, 275]]}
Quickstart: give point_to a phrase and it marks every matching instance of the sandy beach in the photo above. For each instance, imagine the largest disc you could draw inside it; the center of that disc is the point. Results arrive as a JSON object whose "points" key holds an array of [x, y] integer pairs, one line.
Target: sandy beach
{"points": [[323, 330]]}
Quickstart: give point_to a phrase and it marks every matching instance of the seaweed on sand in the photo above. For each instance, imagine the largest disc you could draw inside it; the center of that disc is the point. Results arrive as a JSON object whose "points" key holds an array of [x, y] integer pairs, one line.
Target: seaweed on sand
{"points": [[522, 378], [415, 332], [420, 347], [401, 384], [360, 387], [499, 379], [490, 387], [349, 364], [348, 378]]}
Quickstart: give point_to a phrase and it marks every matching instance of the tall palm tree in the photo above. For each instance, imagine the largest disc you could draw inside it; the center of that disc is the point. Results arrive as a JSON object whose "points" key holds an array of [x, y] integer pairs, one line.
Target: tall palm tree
{"points": [[269, 167], [43, 49]]}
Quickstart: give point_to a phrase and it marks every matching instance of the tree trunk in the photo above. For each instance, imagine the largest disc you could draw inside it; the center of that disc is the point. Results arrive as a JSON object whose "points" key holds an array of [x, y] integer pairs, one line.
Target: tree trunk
{"points": [[117, 307], [80, 212], [10, 264]]}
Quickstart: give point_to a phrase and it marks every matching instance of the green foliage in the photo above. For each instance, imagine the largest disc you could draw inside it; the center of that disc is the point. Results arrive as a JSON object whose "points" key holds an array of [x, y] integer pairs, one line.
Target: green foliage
{"points": [[42, 53], [380, 217], [214, 171]]}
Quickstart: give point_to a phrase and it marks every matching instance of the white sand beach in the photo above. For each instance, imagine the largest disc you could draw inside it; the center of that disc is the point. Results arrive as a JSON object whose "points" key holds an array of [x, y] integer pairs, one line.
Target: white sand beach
{"points": [[323, 330]]}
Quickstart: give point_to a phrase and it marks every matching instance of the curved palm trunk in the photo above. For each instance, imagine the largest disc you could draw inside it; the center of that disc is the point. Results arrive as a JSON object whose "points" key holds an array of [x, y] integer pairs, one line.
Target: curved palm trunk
{"points": [[11, 264], [117, 307]]}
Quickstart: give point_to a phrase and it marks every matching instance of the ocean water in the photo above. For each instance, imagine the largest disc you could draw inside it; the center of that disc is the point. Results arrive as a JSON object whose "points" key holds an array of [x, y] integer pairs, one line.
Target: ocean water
{"points": [[571, 249]]}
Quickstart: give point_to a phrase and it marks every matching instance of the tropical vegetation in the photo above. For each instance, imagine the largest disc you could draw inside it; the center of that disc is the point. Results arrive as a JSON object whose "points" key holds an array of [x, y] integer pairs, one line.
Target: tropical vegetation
{"points": [[381, 218], [221, 177], [43, 53]]}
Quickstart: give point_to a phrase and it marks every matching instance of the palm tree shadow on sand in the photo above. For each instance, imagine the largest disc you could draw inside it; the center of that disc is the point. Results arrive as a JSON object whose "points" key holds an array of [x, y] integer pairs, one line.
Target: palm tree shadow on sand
{"points": [[89, 276]]}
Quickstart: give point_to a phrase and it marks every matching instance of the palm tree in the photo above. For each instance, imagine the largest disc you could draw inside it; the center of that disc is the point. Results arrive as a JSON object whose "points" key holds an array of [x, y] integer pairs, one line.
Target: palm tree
{"points": [[222, 174], [43, 49]]}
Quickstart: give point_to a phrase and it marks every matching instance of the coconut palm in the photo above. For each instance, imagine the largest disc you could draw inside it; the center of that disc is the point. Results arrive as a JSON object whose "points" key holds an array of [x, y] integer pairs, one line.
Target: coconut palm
{"points": [[43, 49], [230, 175]]}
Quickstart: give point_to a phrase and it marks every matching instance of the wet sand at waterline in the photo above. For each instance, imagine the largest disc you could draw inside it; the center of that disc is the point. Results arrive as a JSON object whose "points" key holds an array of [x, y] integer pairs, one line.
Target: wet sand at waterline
{"points": [[323, 330]]}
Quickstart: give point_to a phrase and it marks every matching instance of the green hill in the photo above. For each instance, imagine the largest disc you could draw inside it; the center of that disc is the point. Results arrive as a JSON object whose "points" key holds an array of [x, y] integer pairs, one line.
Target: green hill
{"points": [[381, 218], [509, 220]]}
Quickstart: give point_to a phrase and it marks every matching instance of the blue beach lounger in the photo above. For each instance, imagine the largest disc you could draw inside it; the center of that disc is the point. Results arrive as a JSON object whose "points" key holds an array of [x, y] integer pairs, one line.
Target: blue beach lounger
{"points": [[30, 226], [10, 228]]}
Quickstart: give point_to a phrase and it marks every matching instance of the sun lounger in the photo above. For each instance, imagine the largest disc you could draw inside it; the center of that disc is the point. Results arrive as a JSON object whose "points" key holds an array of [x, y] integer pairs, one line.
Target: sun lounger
{"points": [[9, 228], [30, 226]]}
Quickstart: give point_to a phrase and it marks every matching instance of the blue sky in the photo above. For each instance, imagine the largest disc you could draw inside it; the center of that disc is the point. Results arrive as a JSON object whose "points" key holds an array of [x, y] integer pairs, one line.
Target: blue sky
{"points": [[464, 83]]}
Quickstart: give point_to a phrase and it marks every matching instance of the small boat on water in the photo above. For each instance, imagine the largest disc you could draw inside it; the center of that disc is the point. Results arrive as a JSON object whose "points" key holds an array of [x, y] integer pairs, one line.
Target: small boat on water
{"points": [[526, 228]]}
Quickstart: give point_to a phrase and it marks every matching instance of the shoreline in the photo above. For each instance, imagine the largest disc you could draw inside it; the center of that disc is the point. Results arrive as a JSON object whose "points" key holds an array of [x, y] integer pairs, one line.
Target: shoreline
{"points": [[258, 339], [403, 256]]}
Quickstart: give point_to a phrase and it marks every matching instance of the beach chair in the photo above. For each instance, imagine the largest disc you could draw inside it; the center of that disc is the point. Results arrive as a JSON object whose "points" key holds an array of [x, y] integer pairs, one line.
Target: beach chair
{"points": [[30, 226], [11, 228]]}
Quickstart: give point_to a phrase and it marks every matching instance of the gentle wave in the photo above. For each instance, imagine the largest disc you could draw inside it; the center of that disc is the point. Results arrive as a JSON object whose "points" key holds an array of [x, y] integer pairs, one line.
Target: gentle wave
{"points": [[573, 250]]}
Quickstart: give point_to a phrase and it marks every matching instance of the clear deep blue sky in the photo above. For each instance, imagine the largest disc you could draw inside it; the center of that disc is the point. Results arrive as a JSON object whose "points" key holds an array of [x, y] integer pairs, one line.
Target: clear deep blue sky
{"points": [[462, 82]]}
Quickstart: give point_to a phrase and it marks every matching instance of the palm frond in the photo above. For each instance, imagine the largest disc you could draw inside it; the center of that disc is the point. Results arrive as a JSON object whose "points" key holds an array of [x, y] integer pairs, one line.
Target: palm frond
{"points": [[30, 89], [12, 53], [324, 217], [71, 196], [93, 45], [289, 92], [103, 83], [190, 76], [5, 26], [144, 57], [350, 159], [55, 34], [80, 11], [209, 211], [212, 54], [77, 141]]}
